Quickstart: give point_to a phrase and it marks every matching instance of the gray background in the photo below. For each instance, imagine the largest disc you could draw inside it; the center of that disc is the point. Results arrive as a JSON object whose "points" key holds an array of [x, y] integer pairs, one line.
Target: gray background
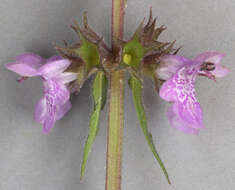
{"points": [[31, 160]]}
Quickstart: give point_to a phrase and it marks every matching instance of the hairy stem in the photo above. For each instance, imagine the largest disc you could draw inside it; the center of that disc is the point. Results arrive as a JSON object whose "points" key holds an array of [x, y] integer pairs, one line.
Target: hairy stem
{"points": [[116, 99]]}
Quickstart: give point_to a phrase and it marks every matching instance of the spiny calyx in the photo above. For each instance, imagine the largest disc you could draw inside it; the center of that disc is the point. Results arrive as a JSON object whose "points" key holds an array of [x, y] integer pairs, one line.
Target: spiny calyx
{"points": [[139, 56]]}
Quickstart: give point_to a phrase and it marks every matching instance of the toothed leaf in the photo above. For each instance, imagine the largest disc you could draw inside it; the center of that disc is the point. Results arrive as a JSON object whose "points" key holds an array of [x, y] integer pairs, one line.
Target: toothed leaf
{"points": [[136, 88], [99, 98]]}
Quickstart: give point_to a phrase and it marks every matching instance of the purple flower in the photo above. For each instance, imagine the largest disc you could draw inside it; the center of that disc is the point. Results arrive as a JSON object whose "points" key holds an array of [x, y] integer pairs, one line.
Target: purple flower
{"points": [[55, 102], [185, 113]]}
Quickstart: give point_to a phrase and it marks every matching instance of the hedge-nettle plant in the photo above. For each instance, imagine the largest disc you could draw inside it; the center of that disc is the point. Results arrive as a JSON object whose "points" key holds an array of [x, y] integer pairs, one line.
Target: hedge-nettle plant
{"points": [[143, 55]]}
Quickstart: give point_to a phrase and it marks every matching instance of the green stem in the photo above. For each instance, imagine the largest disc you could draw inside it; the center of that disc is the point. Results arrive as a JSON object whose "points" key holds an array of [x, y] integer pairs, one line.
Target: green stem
{"points": [[116, 101], [115, 132], [117, 20]]}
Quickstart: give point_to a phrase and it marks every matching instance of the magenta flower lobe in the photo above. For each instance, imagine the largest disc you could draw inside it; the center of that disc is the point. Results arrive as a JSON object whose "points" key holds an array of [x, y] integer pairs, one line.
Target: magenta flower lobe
{"points": [[185, 113]]}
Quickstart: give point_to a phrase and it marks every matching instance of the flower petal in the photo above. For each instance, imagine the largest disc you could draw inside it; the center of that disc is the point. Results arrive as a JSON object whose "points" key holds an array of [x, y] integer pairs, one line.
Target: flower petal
{"points": [[170, 65], [168, 91], [53, 105], [220, 71], [175, 59], [208, 74], [191, 113], [62, 110], [56, 92], [54, 68], [179, 123], [49, 123], [215, 58], [30, 59], [179, 85], [22, 69], [54, 58], [66, 77], [51, 109], [180, 90], [40, 111], [211, 57]]}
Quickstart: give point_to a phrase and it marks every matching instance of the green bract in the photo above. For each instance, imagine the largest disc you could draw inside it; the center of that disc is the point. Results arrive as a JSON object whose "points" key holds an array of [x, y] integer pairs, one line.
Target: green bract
{"points": [[99, 98], [136, 88]]}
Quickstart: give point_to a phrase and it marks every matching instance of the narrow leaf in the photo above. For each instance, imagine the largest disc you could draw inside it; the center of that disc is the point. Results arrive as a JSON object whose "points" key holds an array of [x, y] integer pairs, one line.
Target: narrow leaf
{"points": [[136, 88], [99, 98]]}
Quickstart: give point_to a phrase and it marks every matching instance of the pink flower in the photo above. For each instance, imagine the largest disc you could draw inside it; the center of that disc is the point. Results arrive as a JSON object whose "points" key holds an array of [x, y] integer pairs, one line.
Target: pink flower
{"points": [[55, 102], [185, 113]]}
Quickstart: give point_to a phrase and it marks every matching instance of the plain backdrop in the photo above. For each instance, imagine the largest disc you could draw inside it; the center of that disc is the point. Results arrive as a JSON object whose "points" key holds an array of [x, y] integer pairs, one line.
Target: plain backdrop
{"points": [[31, 160]]}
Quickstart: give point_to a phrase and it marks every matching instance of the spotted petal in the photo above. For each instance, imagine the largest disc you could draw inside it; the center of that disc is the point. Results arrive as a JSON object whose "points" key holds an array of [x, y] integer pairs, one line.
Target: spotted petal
{"points": [[177, 122], [168, 91], [50, 120], [54, 104], [180, 90], [56, 92], [190, 112]]}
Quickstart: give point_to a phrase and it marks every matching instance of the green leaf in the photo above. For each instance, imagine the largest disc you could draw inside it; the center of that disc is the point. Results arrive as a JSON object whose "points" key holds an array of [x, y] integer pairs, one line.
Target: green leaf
{"points": [[136, 88], [99, 98]]}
